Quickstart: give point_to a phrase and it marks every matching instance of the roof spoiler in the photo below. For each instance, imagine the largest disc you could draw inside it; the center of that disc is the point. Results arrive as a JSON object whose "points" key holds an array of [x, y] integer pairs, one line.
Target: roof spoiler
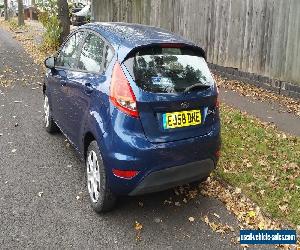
{"points": [[125, 54]]}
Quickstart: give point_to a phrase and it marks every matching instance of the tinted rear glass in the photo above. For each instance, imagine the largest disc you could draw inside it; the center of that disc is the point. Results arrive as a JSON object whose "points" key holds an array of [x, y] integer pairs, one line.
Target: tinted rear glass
{"points": [[169, 70]]}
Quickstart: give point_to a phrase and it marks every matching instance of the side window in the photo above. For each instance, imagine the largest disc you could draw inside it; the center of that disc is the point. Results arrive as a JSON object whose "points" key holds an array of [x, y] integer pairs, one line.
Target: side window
{"points": [[91, 54], [68, 54]]}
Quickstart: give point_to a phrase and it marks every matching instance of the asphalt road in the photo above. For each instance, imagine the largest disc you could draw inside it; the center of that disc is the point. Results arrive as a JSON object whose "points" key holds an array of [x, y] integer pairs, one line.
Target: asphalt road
{"points": [[43, 198]]}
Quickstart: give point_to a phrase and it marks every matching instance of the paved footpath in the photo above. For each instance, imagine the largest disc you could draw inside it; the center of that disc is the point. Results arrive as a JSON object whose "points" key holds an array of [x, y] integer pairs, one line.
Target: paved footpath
{"points": [[265, 111], [40, 178]]}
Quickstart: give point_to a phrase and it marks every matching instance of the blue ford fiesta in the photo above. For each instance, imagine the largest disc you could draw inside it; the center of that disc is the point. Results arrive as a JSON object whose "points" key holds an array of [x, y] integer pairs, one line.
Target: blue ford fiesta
{"points": [[140, 106]]}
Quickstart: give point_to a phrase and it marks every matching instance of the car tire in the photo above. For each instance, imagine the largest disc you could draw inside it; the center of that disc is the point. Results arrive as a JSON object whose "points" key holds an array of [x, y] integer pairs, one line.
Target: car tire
{"points": [[49, 123], [203, 179], [101, 197]]}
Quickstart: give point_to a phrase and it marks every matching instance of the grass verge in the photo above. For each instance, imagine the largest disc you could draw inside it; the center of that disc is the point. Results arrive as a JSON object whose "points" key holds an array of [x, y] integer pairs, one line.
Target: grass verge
{"points": [[263, 162]]}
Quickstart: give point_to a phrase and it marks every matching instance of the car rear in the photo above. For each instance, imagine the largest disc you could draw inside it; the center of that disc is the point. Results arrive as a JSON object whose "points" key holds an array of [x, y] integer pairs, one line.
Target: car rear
{"points": [[165, 126]]}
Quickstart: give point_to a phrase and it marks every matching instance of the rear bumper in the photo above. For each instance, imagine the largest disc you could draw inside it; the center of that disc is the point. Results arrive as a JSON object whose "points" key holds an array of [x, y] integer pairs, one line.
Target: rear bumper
{"points": [[174, 176], [125, 149]]}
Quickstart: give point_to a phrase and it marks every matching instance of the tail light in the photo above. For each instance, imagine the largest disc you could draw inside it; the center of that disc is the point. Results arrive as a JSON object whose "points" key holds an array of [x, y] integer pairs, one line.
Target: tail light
{"points": [[121, 94]]}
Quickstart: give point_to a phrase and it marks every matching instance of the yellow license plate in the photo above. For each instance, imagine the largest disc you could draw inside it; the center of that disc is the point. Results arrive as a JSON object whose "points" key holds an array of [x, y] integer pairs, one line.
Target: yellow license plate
{"points": [[181, 119]]}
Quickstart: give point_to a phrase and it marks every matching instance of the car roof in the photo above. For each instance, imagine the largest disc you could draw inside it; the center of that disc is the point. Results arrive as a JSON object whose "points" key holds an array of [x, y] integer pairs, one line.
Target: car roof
{"points": [[133, 35], [124, 37]]}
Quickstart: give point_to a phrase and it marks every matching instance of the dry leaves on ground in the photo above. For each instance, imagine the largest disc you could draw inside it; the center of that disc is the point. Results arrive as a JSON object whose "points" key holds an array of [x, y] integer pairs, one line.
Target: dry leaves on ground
{"points": [[287, 103], [26, 37], [217, 227], [138, 228], [248, 213]]}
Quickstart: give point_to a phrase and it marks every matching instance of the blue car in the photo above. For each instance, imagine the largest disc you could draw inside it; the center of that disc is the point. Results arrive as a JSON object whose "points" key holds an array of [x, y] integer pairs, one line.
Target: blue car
{"points": [[139, 105]]}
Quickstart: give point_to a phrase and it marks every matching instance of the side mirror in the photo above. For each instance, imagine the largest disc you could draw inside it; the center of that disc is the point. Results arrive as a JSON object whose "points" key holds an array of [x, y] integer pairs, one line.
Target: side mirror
{"points": [[50, 62]]}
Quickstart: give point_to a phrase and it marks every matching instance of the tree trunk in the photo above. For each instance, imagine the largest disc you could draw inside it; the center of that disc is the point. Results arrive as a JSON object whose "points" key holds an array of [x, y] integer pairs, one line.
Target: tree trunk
{"points": [[64, 19], [21, 13], [5, 10]]}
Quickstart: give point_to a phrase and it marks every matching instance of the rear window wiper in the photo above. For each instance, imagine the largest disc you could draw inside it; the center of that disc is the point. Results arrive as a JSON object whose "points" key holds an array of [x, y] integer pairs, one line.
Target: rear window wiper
{"points": [[198, 85]]}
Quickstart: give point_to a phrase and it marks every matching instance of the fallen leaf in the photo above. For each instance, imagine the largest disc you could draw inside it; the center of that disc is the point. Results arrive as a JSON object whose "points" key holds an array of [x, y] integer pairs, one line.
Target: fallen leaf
{"points": [[40, 194], [14, 150], [191, 219], [138, 226], [167, 202], [192, 194], [261, 225], [283, 208], [218, 216], [262, 192], [206, 220], [251, 214], [177, 204], [249, 165], [217, 227]]}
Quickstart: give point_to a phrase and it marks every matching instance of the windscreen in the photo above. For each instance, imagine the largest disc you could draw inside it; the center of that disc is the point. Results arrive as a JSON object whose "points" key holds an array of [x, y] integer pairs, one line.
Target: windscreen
{"points": [[169, 70]]}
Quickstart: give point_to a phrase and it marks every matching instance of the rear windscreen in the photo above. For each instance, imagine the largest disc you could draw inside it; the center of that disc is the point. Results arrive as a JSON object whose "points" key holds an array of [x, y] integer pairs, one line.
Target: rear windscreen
{"points": [[169, 70]]}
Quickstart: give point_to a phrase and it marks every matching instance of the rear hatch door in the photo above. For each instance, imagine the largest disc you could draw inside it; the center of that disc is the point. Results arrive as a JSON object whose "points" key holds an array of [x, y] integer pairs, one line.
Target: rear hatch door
{"points": [[174, 89]]}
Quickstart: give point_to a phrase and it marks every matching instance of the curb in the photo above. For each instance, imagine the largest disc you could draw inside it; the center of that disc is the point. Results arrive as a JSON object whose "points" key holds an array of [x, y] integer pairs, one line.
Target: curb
{"points": [[280, 87]]}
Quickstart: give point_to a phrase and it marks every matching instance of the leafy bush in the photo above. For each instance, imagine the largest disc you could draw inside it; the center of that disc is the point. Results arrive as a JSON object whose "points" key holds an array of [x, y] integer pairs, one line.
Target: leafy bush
{"points": [[49, 6], [48, 17], [52, 32]]}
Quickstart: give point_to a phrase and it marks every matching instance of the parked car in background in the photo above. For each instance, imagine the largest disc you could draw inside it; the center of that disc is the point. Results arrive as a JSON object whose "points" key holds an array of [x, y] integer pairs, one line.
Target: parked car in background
{"points": [[76, 7], [139, 105], [81, 17]]}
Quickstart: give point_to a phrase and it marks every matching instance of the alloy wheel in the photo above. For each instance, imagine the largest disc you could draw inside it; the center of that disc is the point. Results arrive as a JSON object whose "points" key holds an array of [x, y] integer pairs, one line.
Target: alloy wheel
{"points": [[93, 176], [46, 111]]}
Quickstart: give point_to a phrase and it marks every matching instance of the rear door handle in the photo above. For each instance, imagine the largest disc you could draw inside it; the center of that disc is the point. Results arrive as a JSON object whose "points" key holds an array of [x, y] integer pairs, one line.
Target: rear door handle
{"points": [[88, 88]]}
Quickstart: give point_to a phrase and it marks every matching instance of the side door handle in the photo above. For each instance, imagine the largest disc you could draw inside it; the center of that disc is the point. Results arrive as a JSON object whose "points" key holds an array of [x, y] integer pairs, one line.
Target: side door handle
{"points": [[89, 88], [61, 80]]}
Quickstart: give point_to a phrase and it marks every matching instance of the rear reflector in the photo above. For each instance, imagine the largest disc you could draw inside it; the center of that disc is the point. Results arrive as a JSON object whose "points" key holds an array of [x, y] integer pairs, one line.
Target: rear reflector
{"points": [[217, 103], [125, 174]]}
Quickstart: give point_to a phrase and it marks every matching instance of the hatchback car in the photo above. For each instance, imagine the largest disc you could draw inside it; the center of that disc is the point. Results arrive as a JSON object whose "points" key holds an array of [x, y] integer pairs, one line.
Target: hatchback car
{"points": [[139, 105]]}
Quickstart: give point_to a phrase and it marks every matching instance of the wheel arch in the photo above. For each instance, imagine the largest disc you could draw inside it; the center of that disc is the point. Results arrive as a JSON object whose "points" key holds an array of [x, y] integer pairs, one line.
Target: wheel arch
{"points": [[88, 138]]}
